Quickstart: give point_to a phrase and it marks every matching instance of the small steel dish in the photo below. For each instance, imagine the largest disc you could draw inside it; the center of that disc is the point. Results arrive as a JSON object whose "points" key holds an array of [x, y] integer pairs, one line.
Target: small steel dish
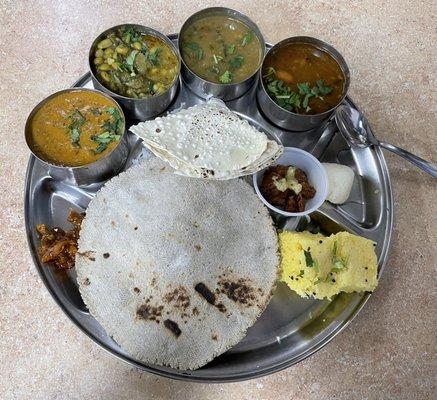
{"points": [[204, 88], [287, 119], [82, 175], [137, 109], [316, 176]]}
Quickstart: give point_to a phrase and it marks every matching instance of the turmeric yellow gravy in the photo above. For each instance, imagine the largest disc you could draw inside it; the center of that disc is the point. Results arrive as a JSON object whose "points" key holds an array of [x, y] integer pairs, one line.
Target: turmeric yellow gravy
{"points": [[76, 128]]}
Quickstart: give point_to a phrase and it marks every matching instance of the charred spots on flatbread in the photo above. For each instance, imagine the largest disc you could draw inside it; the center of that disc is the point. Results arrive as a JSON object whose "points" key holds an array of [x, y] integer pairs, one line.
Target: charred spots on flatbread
{"points": [[240, 290], [160, 256], [178, 298], [173, 327], [221, 307], [209, 296], [195, 311], [106, 255], [86, 282], [148, 312], [205, 292], [137, 290], [198, 247], [214, 336]]}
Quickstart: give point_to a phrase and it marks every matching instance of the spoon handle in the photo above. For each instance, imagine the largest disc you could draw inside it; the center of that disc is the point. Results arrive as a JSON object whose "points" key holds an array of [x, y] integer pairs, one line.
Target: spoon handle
{"points": [[419, 162]]}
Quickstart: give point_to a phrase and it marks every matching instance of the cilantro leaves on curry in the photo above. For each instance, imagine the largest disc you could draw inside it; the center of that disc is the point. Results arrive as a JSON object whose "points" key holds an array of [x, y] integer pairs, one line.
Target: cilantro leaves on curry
{"points": [[77, 119], [294, 101], [226, 77], [195, 50], [112, 130], [220, 49], [247, 38]]}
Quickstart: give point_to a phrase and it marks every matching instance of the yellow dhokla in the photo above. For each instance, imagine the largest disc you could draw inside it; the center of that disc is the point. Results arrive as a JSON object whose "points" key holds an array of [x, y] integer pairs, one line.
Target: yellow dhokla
{"points": [[321, 267]]}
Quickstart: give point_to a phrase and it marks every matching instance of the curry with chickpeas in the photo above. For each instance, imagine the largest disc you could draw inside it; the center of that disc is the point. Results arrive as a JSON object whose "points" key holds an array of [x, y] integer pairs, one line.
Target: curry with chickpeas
{"points": [[133, 64]]}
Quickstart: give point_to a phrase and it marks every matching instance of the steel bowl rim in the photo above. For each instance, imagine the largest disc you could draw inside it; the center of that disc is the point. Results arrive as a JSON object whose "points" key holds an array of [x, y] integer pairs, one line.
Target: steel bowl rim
{"points": [[225, 11], [144, 29], [55, 94], [321, 45]]}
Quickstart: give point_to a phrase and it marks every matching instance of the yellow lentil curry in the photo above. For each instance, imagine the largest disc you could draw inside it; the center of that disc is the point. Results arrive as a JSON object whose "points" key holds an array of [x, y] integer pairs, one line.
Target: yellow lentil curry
{"points": [[134, 64], [76, 128]]}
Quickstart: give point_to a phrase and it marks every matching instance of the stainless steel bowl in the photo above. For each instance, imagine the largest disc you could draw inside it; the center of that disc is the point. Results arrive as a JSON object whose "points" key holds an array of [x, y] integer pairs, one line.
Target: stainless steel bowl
{"points": [[287, 119], [88, 174], [204, 88], [137, 109]]}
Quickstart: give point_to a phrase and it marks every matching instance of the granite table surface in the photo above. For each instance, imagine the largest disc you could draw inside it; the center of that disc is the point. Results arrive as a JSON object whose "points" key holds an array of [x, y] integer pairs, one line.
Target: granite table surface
{"points": [[387, 352]]}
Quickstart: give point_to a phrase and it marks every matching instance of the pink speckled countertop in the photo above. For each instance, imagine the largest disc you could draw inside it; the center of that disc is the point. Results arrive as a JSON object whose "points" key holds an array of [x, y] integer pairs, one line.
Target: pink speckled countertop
{"points": [[388, 352]]}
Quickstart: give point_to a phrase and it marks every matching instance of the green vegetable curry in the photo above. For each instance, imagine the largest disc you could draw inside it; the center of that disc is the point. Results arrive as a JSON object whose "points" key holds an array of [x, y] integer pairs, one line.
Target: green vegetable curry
{"points": [[134, 64], [221, 49]]}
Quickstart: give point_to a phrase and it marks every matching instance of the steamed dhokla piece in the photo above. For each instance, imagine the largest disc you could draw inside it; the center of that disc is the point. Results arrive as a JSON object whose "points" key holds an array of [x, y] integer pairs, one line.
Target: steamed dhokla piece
{"points": [[321, 267]]}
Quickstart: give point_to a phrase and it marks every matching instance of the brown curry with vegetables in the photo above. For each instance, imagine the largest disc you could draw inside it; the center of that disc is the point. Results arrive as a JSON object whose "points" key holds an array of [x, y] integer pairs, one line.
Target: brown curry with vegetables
{"points": [[76, 128], [303, 79]]}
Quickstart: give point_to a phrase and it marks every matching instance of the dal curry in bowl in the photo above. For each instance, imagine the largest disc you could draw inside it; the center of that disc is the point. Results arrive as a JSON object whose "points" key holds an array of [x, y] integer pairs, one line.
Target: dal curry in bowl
{"points": [[221, 51], [75, 128], [302, 81]]}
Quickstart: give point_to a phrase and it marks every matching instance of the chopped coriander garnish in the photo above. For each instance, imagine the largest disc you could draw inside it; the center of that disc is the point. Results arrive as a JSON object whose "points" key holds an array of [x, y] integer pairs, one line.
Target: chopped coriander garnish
{"points": [[339, 263], [153, 57], [310, 262], [196, 49], [226, 77], [236, 62], [77, 119], [112, 130], [130, 34], [292, 101], [230, 49], [247, 38]]}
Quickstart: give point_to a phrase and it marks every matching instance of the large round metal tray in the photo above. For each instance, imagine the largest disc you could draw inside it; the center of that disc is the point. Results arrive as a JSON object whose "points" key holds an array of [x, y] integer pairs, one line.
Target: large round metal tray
{"points": [[291, 328]]}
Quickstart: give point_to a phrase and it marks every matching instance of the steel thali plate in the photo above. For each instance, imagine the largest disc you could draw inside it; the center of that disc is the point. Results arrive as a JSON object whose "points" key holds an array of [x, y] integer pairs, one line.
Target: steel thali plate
{"points": [[291, 328]]}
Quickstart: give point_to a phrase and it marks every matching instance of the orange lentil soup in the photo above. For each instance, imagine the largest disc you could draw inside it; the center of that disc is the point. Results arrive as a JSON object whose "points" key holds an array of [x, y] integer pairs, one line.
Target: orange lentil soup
{"points": [[76, 128]]}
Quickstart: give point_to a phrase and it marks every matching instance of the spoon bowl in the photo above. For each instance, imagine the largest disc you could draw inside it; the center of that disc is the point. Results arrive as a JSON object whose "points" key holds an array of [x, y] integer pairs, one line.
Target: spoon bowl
{"points": [[356, 130]]}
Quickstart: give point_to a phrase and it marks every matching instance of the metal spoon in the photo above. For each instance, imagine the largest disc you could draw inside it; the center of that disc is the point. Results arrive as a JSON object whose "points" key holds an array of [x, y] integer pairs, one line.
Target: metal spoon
{"points": [[356, 130]]}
